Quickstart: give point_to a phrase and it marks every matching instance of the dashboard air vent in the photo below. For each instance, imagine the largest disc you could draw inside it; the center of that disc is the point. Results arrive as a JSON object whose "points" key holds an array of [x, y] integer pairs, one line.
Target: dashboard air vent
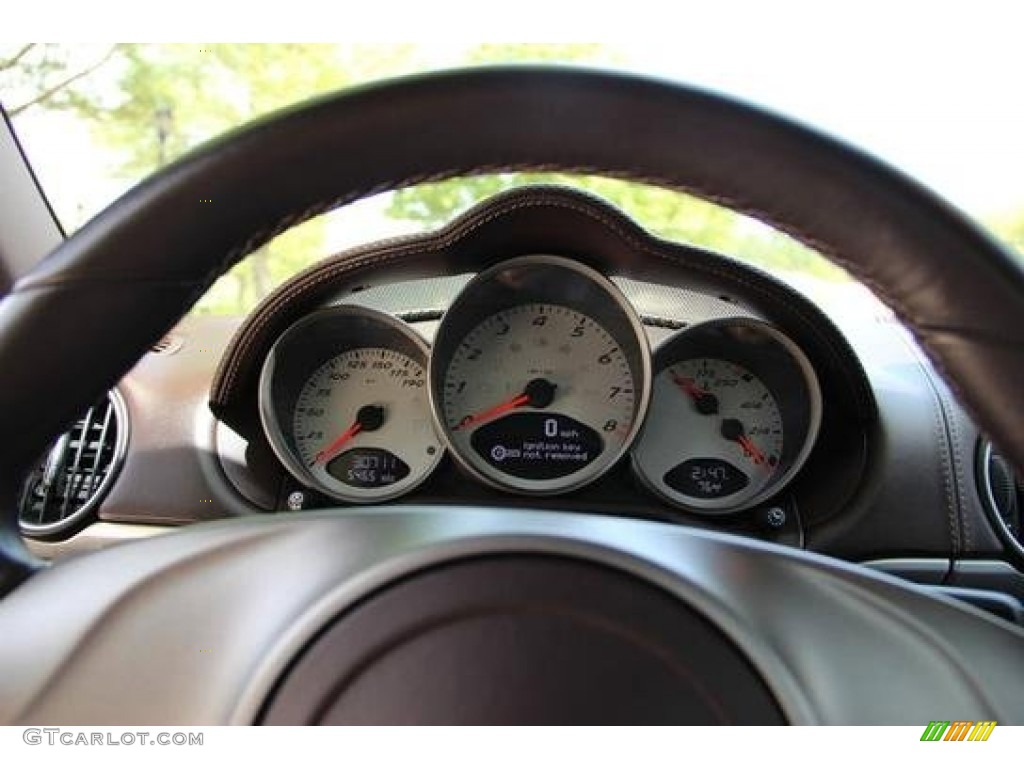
{"points": [[1001, 490], [76, 472]]}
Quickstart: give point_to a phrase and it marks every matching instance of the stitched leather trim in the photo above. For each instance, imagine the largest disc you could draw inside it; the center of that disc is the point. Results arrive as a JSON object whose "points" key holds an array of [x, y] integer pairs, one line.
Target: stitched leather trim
{"points": [[944, 448], [240, 364]]}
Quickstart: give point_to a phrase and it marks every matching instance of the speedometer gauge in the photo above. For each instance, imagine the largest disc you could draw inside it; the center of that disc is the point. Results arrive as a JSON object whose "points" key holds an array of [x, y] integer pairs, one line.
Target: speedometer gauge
{"points": [[540, 375], [343, 397], [734, 413], [344, 402]]}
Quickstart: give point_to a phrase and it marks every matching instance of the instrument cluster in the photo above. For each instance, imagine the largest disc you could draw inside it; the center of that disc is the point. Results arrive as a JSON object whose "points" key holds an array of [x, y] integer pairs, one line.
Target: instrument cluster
{"points": [[539, 380]]}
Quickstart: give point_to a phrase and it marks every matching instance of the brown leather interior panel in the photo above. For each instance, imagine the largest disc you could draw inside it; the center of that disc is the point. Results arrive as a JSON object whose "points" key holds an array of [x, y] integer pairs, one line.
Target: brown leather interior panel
{"points": [[167, 475]]}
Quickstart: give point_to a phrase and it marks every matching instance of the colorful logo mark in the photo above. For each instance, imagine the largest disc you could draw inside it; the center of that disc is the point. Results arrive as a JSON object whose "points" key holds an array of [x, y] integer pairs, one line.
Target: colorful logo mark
{"points": [[958, 730]]}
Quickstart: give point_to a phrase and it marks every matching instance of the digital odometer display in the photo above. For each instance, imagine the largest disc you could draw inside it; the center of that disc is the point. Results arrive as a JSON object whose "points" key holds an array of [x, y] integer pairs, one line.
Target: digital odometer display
{"points": [[368, 468]]}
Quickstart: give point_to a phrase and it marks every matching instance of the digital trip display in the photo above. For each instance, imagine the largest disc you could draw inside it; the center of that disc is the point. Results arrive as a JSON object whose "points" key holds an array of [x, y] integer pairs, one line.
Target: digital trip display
{"points": [[706, 478], [537, 446], [368, 468]]}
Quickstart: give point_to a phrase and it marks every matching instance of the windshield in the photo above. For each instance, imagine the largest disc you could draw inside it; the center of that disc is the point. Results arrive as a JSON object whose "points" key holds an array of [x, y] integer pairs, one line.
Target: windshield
{"points": [[96, 119]]}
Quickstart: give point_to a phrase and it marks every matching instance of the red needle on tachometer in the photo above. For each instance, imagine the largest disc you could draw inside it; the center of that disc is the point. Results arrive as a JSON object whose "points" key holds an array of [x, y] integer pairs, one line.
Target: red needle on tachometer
{"points": [[368, 419], [490, 413], [538, 393]]}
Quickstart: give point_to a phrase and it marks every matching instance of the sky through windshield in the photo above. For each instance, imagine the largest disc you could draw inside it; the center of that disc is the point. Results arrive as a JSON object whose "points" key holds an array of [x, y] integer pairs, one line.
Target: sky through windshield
{"points": [[96, 118]]}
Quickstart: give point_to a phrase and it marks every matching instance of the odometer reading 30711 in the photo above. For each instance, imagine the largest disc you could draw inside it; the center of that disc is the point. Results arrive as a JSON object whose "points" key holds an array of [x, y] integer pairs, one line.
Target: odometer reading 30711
{"points": [[537, 393]]}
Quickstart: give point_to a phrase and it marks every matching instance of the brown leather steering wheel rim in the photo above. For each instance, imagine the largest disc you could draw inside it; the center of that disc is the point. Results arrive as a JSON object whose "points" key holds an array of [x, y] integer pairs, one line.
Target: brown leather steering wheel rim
{"points": [[135, 269]]}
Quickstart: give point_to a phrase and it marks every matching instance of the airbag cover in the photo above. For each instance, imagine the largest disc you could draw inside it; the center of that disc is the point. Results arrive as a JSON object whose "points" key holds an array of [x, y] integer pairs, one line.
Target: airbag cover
{"points": [[537, 640]]}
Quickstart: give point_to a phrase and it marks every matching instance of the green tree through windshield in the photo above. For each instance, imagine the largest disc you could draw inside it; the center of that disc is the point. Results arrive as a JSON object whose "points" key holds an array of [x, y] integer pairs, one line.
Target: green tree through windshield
{"points": [[147, 104]]}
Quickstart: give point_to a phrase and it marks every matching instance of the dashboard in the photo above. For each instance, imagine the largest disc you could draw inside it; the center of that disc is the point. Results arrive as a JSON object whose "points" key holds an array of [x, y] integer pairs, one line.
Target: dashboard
{"points": [[540, 379], [544, 345], [725, 399]]}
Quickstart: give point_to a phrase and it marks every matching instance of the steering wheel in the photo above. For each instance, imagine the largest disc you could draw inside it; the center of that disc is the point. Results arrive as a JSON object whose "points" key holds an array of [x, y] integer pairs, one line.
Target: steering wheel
{"points": [[400, 614]]}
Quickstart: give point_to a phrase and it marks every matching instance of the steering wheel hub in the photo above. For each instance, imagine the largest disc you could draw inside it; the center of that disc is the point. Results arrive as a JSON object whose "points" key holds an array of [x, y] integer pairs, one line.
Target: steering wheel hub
{"points": [[525, 639]]}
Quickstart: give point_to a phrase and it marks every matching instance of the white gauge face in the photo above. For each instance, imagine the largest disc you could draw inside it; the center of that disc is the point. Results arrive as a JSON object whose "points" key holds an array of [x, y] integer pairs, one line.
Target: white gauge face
{"points": [[362, 425], [714, 435], [539, 397]]}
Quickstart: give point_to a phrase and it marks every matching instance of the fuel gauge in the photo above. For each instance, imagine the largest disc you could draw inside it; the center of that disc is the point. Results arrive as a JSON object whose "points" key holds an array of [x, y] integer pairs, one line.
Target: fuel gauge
{"points": [[735, 408]]}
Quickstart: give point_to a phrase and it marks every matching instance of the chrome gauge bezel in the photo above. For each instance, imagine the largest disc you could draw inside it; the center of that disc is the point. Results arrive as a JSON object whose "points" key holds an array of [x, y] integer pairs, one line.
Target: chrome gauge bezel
{"points": [[313, 340], [675, 349], [530, 279]]}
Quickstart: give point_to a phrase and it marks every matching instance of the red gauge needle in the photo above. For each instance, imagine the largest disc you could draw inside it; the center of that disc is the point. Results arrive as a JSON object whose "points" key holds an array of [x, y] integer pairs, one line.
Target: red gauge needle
{"points": [[753, 450], [538, 394], [368, 419], [732, 429], [688, 386], [705, 402], [490, 413], [329, 451]]}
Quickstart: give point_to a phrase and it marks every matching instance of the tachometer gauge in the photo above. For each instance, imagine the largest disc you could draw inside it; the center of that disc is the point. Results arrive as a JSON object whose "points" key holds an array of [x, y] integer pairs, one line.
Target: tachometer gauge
{"points": [[734, 412], [343, 398], [540, 375]]}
